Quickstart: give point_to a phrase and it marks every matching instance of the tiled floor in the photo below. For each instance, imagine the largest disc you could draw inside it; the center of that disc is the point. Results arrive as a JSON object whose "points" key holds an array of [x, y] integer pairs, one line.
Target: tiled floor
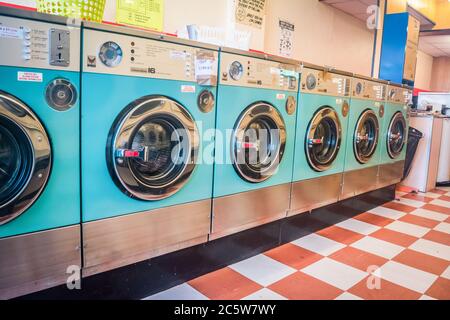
{"points": [[400, 250]]}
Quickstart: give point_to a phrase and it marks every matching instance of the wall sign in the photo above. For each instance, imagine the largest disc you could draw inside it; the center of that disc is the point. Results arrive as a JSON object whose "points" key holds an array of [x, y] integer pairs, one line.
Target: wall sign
{"points": [[286, 38], [147, 14], [250, 12]]}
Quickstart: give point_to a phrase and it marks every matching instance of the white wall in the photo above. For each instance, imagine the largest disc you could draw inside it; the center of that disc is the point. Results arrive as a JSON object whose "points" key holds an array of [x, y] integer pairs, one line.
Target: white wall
{"points": [[323, 35], [424, 71]]}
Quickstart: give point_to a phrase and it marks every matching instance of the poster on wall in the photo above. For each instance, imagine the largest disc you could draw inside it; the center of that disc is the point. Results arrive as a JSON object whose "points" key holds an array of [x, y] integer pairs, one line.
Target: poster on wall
{"points": [[146, 14], [250, 12], [286, 38]]}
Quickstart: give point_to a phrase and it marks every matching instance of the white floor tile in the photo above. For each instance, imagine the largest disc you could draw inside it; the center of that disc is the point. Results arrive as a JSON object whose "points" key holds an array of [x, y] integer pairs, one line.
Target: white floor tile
{"points": [[432, 248], [348, 296], [442, 203], [412, 203], [319, 244], [407, 277], [358, 226], [408, 228], [446, 273], [378, 247], [443, 227], [431, 195], [387, 213], [181, 292], [264, 294], [335, 273], [262, 269], [430, 214], [425, 297]]}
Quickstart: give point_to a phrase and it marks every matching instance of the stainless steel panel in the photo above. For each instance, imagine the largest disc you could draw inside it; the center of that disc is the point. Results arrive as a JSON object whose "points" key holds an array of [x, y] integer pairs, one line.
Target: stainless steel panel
{"points": [[29, 45], [238, 212], [152, 58], [359, 181], [37, 261], [390, 173], [315, 193], [258, 73], [371, 89], [327, 83], [118, 241]]}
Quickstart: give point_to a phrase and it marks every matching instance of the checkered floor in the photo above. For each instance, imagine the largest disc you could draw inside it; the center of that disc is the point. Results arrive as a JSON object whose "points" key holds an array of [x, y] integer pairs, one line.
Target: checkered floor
{"points": [[400, 250]]}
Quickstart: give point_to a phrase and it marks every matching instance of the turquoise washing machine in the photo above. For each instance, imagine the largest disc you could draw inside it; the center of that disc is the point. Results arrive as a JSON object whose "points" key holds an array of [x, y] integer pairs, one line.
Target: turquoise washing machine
{"points": [[147, 145], [321, 138], [256, 115], [39, 152], [365, 122], [394, 135]]}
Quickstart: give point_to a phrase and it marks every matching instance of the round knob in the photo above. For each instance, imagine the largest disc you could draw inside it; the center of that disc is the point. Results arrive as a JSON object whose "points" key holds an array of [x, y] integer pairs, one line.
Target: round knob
{"points": [[205, 101], [60, 94]]}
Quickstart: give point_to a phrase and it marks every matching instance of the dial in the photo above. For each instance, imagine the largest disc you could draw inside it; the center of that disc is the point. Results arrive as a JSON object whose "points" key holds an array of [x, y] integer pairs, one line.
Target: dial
{"points": [[391, 94], [311, 81], [359, 88], [236, 70], [110, 54]]}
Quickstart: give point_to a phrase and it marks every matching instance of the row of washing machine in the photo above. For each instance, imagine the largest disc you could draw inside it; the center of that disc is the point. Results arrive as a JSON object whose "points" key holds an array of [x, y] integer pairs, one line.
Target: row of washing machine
{"points": [[118, 145]]}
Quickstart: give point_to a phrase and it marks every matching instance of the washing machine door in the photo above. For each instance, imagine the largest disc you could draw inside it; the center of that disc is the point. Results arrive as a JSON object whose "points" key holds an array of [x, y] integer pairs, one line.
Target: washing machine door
{"points": [[25, 157], [396, 135], [323, 139], [365, 139], [258, 142], [152, 148]]}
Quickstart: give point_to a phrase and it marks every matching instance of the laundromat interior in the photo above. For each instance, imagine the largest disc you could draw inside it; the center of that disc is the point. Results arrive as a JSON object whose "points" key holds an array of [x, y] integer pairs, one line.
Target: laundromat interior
{"points": [[225, 150]]}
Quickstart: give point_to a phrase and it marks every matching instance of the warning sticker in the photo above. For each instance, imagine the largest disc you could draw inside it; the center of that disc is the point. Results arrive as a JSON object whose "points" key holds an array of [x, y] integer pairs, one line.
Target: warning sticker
{"points": [[29, 76], [188, 89], [281, 96]]}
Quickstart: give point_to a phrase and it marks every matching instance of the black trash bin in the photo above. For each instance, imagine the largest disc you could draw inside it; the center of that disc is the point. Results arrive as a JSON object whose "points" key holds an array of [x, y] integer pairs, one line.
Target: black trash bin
{"points": [[414, 137]]}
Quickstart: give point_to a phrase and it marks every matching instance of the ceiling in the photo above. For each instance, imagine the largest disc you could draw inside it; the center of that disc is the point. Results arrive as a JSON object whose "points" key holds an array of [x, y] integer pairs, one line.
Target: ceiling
{"points": [[435, 45], [356, 8], [430, 43]]}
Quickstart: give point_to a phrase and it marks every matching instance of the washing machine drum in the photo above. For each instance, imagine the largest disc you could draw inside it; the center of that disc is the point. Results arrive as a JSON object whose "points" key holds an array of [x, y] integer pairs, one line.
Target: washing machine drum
{"points": [[25, 157], [366, 134], [258, 142], [323, 139], [152, 148], [396, 136]]}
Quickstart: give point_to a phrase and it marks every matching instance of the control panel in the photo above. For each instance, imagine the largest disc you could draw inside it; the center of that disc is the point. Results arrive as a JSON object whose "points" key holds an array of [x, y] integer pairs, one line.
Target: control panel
{"points": [[243, 71], [326, 83], [36, 44], [118, 54], [395, 95], [370, 90]]}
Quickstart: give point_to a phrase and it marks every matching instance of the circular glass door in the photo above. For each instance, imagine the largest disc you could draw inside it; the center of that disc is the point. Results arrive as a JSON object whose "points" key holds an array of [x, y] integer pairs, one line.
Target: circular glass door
{"points": [[24, 158], [396, 135], [366, 136], [153, 148], [323, 139], [258, 142]]}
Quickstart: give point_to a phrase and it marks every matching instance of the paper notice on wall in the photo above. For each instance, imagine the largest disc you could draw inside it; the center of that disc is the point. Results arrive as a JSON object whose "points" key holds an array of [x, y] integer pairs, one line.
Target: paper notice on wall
{"points": [[250, 12], [286, 38], [146, 14]]}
